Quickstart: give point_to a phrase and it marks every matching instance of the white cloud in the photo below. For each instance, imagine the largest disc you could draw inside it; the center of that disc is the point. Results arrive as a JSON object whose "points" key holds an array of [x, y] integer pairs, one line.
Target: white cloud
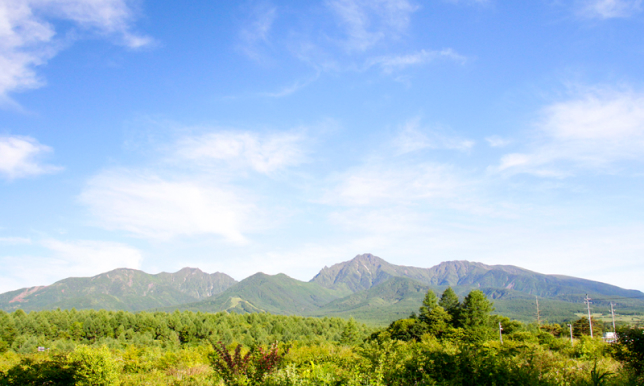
{"points": [[68, 259], [14, 241], [413, 137], [401, 184], [256, 31], [286, 91], [595, 131], [264, 154], [153, 207], [367, 22], [608, 9], [496, 141], [19, 157], [389, 64], [194, 186], [28, 39], [92, 257]]}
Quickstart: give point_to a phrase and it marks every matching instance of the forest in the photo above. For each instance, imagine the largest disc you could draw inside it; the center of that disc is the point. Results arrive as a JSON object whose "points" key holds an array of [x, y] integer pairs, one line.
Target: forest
{"points": [[448, 341]]}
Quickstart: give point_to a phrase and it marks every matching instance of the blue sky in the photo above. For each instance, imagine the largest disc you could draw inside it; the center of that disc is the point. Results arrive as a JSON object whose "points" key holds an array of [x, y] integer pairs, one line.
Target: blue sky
{"points": [[286, 136]]}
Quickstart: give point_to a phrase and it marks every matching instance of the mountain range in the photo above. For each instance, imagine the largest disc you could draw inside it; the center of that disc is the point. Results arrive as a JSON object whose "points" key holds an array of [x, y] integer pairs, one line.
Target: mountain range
{"points": [[365, 287]]}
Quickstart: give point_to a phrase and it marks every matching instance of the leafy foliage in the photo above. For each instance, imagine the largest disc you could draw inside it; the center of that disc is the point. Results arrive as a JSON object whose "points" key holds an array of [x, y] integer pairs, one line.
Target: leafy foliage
{"points": [[251, 368], [108, 348]]}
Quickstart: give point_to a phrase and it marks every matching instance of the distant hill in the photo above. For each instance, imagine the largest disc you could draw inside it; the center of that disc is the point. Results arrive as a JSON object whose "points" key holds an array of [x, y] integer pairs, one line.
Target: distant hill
{"points": [[365, 287], [277, 294], [392, 299], [120, 289], [366, 271]]}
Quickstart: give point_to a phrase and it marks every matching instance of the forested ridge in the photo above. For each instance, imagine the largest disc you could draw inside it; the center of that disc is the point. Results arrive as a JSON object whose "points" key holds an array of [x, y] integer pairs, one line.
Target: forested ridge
{"points": [[447, 341], [366, 287]]}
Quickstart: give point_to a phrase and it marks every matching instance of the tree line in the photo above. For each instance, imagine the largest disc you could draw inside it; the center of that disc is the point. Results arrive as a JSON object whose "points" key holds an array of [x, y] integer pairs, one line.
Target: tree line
{"points": [[448, 341]]}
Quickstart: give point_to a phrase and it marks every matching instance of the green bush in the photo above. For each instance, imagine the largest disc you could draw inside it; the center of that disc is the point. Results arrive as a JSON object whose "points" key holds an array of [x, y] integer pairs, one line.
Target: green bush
{"points": [[94, 366]]}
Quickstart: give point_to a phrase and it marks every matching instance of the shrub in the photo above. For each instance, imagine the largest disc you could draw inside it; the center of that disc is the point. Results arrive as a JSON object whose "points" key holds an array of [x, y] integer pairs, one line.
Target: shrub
{"points": [[251, 368], [94, 366]]}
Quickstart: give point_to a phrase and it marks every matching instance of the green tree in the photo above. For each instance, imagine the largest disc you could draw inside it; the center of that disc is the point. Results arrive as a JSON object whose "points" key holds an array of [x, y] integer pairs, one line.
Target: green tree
{"points": [[581, 327], [407, 329], [429, 303], [474, 316], [8, 331], [630, 349], [350, 334], [475, 311], [450, 303], [94, 366], [433, 315]]}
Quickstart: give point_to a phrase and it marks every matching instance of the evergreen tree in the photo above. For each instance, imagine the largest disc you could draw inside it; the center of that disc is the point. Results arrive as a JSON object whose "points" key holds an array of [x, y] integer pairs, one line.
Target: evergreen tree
{"points": [[449, 302], [475, 311], [350, 334], [433, 315], [429, 303], [582, 327]]}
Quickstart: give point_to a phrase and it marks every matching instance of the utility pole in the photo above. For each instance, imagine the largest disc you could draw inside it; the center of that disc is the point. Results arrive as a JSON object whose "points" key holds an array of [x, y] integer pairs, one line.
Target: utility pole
{"points": [[500, 333], [612, 312], [590, 321], [570, 325], [538, 313]]}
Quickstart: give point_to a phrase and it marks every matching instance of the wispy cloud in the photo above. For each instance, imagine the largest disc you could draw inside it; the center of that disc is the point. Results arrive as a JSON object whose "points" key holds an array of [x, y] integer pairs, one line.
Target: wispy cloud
{"points": [[28, 40], [63, 259], [291, 89], [20, 157], [14, 241], [413, 137], [263, 154], [194, 186], [470, 2], [149, 206], [609, 9], [368, 22], [256, 31], [377, 184], [593, 131], [496, 141], [389, 64], [92, 257]]}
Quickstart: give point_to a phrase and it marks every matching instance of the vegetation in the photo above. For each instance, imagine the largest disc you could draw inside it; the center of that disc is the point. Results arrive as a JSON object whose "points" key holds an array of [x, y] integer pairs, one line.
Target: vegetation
{"points": [[446, 342], [367, 288]]}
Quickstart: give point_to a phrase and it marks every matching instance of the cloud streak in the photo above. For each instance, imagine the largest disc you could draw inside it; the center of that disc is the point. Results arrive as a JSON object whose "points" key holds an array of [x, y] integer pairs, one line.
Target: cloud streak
{"points": [[20, 157], [263, 154], [366, 22], [609, 9], [256, 32], [28, 39], [149, 206], [594, 131], [413, 137], [63, 259], [394, 184], [390, 64], [194, 187]]}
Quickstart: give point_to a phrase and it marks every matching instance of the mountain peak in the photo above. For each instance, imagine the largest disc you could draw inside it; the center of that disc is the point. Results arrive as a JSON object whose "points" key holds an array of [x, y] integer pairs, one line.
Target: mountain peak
{"points": [[362, 272], [368, 257], [190, 270]]}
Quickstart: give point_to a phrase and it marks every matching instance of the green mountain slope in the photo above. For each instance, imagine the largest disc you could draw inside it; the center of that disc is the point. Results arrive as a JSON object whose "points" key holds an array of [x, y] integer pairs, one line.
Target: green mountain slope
{"points": [[278, 294], [366, 287], [121, 289], [363, 272], [393, 299], [366, 271]]}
